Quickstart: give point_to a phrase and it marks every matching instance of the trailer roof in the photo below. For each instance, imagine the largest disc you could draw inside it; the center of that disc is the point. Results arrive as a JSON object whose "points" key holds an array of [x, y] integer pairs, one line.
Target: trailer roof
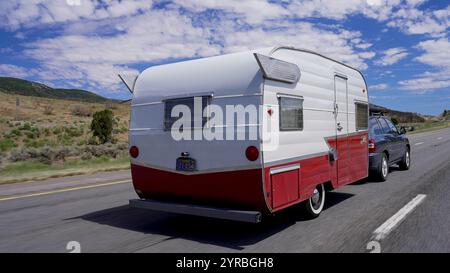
{"points": [[230, 74]]}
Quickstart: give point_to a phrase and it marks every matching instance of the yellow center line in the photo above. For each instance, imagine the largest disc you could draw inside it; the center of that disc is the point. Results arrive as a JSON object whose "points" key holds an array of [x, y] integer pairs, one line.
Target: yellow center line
{"points": [[64, 190]]}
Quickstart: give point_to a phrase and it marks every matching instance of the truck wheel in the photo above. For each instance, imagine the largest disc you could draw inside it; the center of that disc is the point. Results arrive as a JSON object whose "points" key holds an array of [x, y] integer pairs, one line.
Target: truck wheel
{"points": [[314, 205], [383, 169], [406, 161]]}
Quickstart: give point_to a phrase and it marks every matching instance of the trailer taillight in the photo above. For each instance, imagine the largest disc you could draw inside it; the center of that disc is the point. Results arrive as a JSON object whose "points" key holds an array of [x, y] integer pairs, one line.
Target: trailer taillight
{"points": [[372, 147], [134, 151], [252, 153]]}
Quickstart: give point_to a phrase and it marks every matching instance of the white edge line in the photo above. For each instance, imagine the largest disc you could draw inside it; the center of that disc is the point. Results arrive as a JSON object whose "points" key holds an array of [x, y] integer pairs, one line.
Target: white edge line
{"points": [[419, 143], [64, 190], [382, 231]]}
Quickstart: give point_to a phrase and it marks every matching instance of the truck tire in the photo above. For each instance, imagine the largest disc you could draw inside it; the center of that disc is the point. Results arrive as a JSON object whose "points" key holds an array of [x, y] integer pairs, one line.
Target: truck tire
{"points": [[406, 161], [383, 168], [314, 205]]}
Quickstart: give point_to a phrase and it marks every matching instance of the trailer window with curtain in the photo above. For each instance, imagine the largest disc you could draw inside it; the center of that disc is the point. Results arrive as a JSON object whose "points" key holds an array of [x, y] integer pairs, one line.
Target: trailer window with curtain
{"points": [[362, 116], [291, 113]]}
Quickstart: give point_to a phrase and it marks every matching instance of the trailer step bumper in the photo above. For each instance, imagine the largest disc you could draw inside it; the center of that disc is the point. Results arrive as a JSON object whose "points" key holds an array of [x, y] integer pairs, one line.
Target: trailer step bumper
{"points": [[212, 212]]}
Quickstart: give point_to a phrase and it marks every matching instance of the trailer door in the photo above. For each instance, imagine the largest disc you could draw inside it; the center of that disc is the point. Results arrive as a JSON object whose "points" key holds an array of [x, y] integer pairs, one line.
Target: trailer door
{"points": [[341, 121]]}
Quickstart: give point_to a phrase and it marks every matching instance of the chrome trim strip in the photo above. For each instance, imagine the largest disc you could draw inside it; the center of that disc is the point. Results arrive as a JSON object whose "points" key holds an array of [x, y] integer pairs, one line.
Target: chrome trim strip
{"points": [[284, 169]]}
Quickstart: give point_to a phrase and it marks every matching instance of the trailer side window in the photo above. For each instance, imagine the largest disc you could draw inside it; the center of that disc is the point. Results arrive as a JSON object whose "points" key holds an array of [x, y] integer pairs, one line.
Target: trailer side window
{"points": [[291, 113], [362, 116]]}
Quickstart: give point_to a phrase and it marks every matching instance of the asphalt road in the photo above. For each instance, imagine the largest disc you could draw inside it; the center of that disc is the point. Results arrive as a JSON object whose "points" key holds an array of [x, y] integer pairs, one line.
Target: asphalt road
{"points": [[92, 210]]}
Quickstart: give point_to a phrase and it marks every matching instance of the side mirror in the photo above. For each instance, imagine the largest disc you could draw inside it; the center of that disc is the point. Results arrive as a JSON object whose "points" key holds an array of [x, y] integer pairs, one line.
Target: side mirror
{"points": [[402, 130]]}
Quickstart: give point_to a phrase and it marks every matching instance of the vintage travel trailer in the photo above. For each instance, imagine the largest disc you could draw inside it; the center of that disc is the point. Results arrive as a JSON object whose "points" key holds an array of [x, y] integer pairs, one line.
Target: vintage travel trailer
{"points": [[311, 133]]}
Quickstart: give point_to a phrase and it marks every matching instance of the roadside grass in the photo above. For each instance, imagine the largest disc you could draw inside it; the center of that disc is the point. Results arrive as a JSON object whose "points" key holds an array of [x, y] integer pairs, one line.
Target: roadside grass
{"points": [[26, 171], [428, 126]]}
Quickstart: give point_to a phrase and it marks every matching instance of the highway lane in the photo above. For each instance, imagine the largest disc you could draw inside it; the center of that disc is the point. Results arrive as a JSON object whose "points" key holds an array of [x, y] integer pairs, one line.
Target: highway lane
{"points": [[98, 217]]}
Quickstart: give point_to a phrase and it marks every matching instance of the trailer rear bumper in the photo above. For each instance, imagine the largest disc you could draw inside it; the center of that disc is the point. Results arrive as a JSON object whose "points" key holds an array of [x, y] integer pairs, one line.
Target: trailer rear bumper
{"points": [[212, 212]]}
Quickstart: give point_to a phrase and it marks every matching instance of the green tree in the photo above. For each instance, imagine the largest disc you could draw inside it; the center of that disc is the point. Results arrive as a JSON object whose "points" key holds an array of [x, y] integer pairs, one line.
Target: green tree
{"points": [[102, 125]]}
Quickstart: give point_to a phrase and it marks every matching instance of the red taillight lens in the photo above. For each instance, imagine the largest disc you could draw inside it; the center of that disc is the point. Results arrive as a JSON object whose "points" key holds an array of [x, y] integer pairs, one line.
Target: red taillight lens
{"points": [[134, 151], [372, 147], [252, 153]]}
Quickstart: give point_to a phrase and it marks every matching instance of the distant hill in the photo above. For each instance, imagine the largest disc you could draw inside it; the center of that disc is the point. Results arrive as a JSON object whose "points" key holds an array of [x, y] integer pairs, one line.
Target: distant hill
{"points": [[16, 86], [445, 115], [401, 117]]}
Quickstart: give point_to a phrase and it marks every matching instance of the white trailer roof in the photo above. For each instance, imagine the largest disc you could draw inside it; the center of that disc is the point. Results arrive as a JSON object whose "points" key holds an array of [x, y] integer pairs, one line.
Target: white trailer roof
{"points": [[231, 74]]}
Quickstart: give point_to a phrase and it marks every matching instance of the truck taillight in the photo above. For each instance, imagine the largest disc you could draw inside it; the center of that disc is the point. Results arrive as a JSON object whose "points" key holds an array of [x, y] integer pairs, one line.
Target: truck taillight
{"points": [[252, 153], [372, 147], [134, 151]]}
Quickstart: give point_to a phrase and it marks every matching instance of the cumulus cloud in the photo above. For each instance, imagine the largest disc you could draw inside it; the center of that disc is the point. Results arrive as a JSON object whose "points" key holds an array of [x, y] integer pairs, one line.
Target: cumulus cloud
{"points": [[392, 56], [381, 86], [95, 50], [97, 39], [435, 54], [25, 13], [13, 71]]}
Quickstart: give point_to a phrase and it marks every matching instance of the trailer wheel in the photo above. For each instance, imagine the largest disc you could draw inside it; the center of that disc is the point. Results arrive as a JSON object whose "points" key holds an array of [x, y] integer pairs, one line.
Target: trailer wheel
{"points": [[314, 205]]}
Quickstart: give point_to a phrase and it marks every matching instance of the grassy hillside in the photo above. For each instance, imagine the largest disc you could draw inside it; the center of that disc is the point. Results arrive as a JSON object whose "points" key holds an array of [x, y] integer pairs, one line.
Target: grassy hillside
{"points": [[401, 117], [45, 137], [27, 88]]}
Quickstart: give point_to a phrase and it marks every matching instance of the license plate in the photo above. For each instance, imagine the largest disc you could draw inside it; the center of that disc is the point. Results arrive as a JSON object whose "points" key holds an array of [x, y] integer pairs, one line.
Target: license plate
{"points": [[186, 164]]}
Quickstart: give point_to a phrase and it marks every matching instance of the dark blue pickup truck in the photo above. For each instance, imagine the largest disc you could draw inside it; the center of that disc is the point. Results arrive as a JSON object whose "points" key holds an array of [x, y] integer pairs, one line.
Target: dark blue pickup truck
{"points": [[388, 145]]}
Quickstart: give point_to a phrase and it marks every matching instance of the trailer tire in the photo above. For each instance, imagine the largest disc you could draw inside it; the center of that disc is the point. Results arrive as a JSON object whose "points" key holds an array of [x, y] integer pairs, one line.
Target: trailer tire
{"points": [[314, 205]]}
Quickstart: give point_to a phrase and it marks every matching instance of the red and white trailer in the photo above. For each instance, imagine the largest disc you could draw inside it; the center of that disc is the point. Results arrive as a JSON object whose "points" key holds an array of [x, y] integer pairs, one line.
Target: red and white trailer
{"points": [[313, 110]]}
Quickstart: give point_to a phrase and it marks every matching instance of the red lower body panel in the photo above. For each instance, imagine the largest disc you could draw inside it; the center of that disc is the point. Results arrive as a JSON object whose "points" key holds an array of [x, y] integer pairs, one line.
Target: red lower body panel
{"points": [[245, 189], [242, 189]]}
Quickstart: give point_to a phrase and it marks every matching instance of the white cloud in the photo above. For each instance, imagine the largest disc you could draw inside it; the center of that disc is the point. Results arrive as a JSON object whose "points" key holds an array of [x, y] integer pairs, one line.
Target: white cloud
{"points": [[392, 56], [435, 55], [10, 70], [381, 86], [19, 13], [94, 51]]}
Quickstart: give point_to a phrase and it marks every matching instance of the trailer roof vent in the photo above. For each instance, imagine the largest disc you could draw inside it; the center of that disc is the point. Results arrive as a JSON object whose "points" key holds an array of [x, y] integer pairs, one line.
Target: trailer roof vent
{"points": [[278, 70]]}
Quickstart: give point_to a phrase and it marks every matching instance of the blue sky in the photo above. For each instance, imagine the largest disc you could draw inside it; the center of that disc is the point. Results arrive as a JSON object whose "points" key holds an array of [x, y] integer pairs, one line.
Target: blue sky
{"points": [[402, 46]]}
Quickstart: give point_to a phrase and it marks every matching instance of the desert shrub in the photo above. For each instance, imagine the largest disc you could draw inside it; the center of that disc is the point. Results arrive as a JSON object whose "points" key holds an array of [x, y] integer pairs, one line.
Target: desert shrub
{"points": [[25, 127], [81, 111], [62, 153], [82, 142], [122, 146], [57, 130], [31, 135], [86, 156], [102, 125], [48, 110], [74, 131], [65, 139], [16, 132], [23, 154], [46, 131], [92, 141], [47, 155], [7, 144], [102, 150], [39, 143]]}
